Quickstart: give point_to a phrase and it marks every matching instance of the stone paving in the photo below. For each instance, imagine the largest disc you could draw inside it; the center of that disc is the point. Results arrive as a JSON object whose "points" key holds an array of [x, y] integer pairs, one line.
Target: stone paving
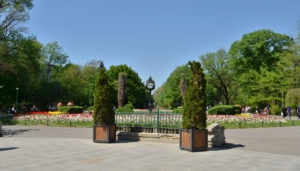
{"points": [[48, 148]]}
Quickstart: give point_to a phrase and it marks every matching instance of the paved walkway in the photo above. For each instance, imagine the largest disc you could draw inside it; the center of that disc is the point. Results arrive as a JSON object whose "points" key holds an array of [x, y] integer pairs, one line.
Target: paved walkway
{"points": [[49, 148]]}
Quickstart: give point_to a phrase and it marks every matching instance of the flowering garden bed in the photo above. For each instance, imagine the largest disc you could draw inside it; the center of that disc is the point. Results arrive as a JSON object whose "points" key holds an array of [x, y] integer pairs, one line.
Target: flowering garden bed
{"points": [[146, 120]]}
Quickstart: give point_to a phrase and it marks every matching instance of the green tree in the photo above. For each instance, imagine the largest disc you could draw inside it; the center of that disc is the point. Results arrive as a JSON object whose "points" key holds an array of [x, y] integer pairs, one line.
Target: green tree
{"points": [[256, 60], [136, 91], [103, 108], [169, 95], [194, 113], [219, 72], [262, 48], [12, 14], [89, 76], [20, 68], [293, 98], [73, 84], [53, 57]]}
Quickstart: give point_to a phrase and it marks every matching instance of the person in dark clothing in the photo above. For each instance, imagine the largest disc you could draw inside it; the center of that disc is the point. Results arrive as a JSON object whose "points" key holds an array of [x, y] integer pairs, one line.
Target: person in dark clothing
{"points": [[283, 112], [289, 112]]}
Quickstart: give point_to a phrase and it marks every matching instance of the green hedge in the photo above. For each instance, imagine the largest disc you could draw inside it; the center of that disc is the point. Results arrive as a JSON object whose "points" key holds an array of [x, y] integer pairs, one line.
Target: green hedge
{"points": [[91, 108], [225, 110], [126, 108], [71, 109], [178, 110]]}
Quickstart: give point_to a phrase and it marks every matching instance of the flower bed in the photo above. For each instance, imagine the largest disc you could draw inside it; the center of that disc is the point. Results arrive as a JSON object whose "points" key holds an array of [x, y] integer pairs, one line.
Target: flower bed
{"points": [[255, 118], [150, 120], [53, 118]]}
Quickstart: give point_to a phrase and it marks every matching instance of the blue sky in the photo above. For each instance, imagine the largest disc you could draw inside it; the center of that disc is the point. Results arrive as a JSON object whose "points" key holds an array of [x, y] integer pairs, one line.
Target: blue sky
{"points": [[155, 36]]}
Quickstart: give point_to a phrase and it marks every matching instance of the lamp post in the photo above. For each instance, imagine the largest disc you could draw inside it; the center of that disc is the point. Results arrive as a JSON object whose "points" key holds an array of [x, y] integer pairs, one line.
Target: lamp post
{"points": [[17, 90], [150, 85]]}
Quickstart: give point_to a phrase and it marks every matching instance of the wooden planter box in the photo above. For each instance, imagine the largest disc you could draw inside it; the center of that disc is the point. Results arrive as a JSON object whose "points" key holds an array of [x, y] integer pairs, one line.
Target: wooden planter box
{"points": [[193, 140], [104, 133]]}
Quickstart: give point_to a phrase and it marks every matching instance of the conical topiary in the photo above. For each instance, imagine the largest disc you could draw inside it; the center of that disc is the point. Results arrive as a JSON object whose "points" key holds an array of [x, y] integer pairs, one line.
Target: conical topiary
{"points": [[103, 107], [183, 87], [121, 89], [194, 114]]}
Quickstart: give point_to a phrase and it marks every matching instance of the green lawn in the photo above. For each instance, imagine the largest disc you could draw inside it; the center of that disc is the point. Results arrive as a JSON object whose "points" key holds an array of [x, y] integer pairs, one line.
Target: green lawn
{"points": [[261, 125]]}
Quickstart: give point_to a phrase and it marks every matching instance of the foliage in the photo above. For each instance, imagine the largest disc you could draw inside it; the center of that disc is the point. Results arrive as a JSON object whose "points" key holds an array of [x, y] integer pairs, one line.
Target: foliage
{"points": [[259, 67], [293, 98], [194, 113], [73, 83], [53, 57], [224, 110], [91, 108], [19, 62], [135, 89], [275, 110], [237, 109], [103, 107], [262, 48], [169, 93], [13, 12], [216, 65], [71, 109], [177, 110], [125, 109]]}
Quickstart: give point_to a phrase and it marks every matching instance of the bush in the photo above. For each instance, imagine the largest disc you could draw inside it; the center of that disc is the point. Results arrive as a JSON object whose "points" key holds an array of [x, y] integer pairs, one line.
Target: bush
{"points": [[91, 108], [178, 110], [237, 109], [125, 109], [221, 110], [292, 98], [71, 109], [194, 113], [275, 110]]}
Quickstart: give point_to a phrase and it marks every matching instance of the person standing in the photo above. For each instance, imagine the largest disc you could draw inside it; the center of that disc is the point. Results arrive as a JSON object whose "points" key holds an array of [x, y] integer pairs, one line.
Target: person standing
{"points": [[268, 110], [289, 110]]}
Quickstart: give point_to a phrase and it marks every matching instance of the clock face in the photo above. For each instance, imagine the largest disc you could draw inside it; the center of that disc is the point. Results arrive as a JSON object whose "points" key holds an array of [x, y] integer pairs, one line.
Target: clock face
{"points": [[150, 85]]}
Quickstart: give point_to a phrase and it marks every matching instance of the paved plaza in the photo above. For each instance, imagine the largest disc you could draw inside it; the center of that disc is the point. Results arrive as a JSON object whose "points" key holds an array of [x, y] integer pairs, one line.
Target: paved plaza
{"points": [[52, 148]]}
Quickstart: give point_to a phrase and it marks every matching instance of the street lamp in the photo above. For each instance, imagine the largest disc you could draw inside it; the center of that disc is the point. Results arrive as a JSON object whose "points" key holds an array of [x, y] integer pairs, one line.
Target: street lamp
{"points": [[150, 85], [17, 89]]}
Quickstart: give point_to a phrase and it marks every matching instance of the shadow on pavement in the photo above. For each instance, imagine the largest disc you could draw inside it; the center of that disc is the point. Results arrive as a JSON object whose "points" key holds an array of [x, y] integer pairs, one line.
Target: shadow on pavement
{"points": [[226, 146], [125, 141], [8, 148], [10, 132]]}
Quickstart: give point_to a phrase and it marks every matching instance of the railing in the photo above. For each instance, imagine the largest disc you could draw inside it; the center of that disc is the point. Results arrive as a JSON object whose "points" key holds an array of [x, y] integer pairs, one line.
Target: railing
{"points": [[156, 121]]}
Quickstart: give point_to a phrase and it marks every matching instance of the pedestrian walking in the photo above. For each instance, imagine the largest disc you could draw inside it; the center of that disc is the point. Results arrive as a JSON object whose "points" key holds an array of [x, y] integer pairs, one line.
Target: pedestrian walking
{"points": [[289, 111]]}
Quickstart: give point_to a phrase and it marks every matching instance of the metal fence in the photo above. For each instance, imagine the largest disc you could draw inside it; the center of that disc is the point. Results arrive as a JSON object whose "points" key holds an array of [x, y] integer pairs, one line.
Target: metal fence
{"points": [[156, 121]]}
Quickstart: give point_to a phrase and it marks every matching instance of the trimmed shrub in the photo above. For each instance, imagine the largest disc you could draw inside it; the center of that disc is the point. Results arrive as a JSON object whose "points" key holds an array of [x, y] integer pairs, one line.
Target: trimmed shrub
{"points": [[194, 113], [178, 110], [91, 108], [103, 106], [275, 110], [237, 109], [221, 110], [71, 109], [126, 108]]}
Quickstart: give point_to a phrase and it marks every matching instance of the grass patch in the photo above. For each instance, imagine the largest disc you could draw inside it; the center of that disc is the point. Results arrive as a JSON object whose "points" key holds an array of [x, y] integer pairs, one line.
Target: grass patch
{"points": [[261, 124]]}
